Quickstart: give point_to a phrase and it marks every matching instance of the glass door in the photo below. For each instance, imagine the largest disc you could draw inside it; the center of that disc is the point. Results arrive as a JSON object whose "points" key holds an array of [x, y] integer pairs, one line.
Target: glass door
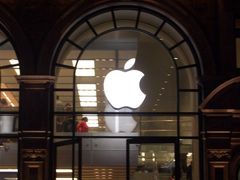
{"points": [[151, 159]]}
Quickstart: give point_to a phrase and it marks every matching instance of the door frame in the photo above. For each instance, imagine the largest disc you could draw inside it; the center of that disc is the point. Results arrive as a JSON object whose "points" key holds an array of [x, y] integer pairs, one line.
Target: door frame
{"points": [[156, 140]]}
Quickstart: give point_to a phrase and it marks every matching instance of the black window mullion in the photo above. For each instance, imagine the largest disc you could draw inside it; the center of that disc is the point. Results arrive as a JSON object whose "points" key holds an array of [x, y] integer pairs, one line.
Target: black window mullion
{"points": [[65, 66], [138, 18], [114, 20], [188, 66], [74, 44], [3, 42], [91, 27], [159, 28], [176, 45]]}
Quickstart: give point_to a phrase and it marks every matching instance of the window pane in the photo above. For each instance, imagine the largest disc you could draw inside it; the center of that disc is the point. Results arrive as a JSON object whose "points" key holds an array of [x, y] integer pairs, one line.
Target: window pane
{"points": [[188, 101], [183, 55], [149, 22], [189, 159], [67, 54], [158, 126], [82, 35], [8, 124], [8, 158], [152, 59], [9, 101], [64, 78], [63, 100], [188, 78], [7, 53], [125, 18], [169, 35], [102, 23], [238, 51], [64, 160], [188, 125], [2, 37]]}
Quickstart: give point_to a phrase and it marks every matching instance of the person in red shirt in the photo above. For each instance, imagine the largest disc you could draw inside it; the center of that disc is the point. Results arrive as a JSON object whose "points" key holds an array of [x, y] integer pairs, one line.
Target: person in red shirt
{"points": [[82, 125]]}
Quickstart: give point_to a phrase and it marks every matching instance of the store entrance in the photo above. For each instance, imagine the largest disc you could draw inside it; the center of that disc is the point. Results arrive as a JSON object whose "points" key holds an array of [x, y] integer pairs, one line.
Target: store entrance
{"points": [[117, 158], [151, 159]]}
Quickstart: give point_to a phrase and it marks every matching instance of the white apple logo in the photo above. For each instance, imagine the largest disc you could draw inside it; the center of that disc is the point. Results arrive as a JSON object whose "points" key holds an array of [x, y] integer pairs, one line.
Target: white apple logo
{"points": [[122, 88]]}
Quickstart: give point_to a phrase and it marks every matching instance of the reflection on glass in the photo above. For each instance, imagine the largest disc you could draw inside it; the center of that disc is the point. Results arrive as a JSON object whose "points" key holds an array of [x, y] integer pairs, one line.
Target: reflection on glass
{"points": [[152, 161], [189, 159], [8, 158]]}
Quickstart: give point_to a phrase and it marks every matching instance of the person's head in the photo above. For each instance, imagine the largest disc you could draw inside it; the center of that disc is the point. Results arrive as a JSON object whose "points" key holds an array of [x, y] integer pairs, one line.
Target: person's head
{"points": [[85, 119]]}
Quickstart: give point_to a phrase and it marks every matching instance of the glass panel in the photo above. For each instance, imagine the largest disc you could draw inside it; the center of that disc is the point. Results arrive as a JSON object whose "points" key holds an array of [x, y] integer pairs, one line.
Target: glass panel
{"points": [[104, 158], [183, 55], [188, 78], [125, 18], [63, 101], [7, 53], [238, 52], [149, 22], [64, 159], [158, 126], [152, 161], [152, 59], [67, 54], [9, 101], [8, 124], [188, 125], [189, 159], [63, 125], [188, 101], [8, 158], [82, 35], [64, 78], [123, 125], [102, 23], [76, 160], [169, 36], [8, 78], [2, 36]]}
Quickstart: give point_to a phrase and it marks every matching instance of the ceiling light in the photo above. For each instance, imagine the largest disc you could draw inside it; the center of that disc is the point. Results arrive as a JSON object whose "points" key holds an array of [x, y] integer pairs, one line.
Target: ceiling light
{"points": [[64, 170], [8, 170], [88, 98], [84, 67], [176, 58], [84, 64], [86, 86], [85, 72], [88, 104], [87, 93], [16, 68]]}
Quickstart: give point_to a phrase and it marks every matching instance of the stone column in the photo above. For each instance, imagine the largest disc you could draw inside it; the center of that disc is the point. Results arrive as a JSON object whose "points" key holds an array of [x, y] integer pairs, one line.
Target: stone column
{"points": [[35, 127]]}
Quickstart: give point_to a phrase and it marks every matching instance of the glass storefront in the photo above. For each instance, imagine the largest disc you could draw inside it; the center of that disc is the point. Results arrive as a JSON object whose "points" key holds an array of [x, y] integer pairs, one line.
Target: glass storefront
{"points": [[133, 74]]}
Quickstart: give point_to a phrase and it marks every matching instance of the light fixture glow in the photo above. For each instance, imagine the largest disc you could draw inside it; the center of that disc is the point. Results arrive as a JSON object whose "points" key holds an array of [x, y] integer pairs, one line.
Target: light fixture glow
{"points": [[87, 93], [86, 86], [16, 68], [88, 104], [8, 170], [88, 98], [63, 170], [84, 67], [85, 72]]}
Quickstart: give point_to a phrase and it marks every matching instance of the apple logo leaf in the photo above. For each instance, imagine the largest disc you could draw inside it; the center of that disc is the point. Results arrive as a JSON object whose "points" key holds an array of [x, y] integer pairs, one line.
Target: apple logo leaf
{"points": [[129, 64]]}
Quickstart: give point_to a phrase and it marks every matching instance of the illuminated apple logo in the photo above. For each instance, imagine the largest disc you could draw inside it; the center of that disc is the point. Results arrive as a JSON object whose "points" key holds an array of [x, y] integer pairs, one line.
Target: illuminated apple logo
{"points": [[122, 88]]}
